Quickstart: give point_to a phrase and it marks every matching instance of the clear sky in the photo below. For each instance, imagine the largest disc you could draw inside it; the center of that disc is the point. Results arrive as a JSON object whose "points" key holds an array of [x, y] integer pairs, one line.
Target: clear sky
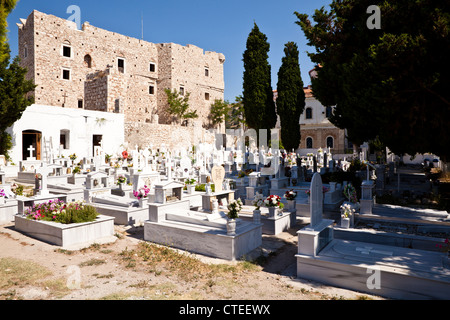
{"points": [[220, 26]]}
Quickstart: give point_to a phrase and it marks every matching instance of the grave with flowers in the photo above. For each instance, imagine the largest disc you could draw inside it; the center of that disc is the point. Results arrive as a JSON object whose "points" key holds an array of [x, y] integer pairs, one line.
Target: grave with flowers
{"points": [[128, 207], [70, 225], [271, 212]]}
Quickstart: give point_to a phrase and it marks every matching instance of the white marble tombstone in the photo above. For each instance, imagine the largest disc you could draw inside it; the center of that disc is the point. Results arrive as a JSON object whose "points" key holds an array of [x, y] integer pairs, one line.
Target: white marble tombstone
{"points": [[217, 177], [316, 200], [314, 237]]}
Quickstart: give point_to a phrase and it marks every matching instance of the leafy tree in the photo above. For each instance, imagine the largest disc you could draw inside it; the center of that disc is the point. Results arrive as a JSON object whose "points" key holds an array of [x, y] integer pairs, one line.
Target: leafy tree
{"points": [[259, 107], [6, 6], [219, 111], [388, 83], [291, 97], [179, 105], [235, 118], [14, 88]]}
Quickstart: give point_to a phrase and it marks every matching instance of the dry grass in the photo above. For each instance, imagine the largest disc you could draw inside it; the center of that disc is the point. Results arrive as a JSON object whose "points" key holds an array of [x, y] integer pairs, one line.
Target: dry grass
{"points": [[159, 259], [15, 272]]}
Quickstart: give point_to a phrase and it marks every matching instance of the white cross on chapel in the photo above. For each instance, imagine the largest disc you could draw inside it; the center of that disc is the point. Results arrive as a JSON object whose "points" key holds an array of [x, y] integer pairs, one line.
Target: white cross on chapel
{"points": [[31, 149]]}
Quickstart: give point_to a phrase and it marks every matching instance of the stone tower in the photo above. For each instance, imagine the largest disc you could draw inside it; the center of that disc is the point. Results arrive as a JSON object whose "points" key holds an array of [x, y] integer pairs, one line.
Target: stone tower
{"points": [[96, 69]]}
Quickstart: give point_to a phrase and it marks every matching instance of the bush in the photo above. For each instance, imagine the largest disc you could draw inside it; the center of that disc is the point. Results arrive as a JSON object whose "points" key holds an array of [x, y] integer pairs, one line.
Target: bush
{"points": [[72, 215], [202, 187], [65, 213]]}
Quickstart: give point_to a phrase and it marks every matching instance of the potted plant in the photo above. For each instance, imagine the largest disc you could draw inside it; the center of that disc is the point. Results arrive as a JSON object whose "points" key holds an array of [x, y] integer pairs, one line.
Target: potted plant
{"points": [[73, 157], [190, 185], [290, 197], [258, 202], [234, 207], [273, 202], [347, 216], [141, 194], [2, 197], [121, 180], [108, 158]]}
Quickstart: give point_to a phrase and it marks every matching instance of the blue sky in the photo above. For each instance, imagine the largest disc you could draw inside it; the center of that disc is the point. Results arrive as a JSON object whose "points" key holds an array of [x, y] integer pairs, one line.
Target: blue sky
{"points": [[221, 26]]}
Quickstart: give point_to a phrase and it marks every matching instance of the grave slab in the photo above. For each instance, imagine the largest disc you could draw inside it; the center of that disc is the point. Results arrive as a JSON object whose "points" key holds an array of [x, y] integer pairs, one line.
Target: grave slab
{"points": [[403, 273]]}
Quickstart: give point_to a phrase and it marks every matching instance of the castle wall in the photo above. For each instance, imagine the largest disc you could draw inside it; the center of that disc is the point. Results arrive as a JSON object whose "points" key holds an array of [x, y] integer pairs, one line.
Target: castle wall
{"points": [[132, 88]]}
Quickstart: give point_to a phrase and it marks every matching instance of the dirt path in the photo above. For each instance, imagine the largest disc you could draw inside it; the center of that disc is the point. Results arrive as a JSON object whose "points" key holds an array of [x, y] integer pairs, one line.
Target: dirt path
{"points": [[115, 271]]}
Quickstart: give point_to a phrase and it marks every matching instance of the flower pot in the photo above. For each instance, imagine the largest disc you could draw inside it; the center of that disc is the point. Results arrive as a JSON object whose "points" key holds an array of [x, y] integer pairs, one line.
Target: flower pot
{"points": [[257, 216], [273, 211], [291, 205], [142, 202], [190, 188], [231, 227], [345, 223]]}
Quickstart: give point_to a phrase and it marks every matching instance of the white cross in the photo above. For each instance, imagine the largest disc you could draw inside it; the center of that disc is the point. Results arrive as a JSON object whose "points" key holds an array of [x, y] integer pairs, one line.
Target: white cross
{"points": [[44, 171], [31, 149]]}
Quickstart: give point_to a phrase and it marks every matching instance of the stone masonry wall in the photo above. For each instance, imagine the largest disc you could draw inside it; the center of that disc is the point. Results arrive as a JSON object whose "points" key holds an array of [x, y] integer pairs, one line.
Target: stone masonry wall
{"points": [[173, 136], [138, 90]]}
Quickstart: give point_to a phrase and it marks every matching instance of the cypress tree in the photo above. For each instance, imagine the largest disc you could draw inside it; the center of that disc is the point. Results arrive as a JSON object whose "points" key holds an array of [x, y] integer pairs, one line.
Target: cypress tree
{"points": [[291, 97], [259, 107]]}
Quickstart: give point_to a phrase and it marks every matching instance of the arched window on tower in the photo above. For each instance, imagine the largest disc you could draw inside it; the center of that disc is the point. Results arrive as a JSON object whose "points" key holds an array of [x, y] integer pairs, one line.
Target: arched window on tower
{"points": [[308, 114], [88, 61]]}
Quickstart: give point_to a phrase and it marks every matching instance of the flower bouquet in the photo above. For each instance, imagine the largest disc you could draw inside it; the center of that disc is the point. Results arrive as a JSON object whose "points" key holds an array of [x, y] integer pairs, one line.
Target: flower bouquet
{"points": [[347, 215], [121, 179], [273, 201], [258, 202], [142, 193], [2, 196], [234, 207], [290, 195], [73, 157], [347, 211]]}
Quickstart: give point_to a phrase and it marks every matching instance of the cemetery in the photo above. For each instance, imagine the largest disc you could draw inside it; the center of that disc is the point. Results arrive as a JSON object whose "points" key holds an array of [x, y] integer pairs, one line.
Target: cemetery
{"points": [[243, 195]]}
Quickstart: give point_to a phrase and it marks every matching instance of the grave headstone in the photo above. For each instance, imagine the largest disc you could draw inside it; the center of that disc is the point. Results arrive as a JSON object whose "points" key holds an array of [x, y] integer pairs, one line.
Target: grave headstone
{"points": [[218, 175], [44, 171], [316, 200]]}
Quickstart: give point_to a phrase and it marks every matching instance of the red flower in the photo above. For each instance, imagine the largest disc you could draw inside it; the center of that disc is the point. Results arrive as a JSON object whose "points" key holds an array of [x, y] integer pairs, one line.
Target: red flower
{"points": [[125, 154]]}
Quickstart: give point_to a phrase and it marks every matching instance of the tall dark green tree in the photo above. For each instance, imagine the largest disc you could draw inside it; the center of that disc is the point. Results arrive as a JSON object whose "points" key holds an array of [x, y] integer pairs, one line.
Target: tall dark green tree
{"points": [[391, 82], [257, 98], [15, 90], [291, 97]]}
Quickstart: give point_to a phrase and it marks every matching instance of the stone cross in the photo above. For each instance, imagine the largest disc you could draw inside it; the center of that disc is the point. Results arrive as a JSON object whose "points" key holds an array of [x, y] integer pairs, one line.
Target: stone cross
{"points": [[316, 200], [218, 175], [44, 171]]}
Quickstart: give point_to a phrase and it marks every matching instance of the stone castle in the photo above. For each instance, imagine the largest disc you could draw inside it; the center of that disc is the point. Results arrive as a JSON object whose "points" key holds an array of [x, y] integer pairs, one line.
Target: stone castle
{"points": [[96, 69]]}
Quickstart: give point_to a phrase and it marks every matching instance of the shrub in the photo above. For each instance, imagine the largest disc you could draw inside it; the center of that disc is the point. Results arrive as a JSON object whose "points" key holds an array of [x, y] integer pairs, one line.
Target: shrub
{"points": [[65, 213]]}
